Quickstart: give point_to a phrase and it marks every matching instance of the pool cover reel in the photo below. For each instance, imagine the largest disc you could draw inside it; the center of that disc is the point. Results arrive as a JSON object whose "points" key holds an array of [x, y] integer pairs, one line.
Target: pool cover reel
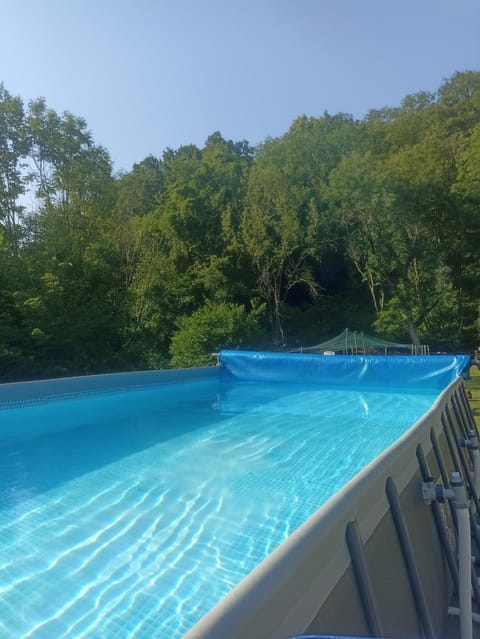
{"points": [[422, 371]]}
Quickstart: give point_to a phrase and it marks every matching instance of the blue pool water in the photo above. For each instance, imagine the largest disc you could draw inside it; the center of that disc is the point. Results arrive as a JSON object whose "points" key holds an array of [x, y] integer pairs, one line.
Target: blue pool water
{"points": [[130, 514]]}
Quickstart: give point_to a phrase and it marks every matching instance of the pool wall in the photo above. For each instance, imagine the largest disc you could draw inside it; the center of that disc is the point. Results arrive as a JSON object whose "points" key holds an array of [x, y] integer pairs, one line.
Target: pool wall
{"points": [[22, 391], [373, 560]]}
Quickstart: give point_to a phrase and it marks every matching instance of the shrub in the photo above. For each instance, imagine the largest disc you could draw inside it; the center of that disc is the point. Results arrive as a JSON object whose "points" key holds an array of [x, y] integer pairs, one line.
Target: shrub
{"points": [[210, 328]]}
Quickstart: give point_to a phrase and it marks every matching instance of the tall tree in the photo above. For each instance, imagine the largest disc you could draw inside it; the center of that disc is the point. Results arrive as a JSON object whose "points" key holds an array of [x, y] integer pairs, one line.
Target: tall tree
{"points": [[13, 153], [403, 223], [184, 256], [285, 227], [71, 253]]}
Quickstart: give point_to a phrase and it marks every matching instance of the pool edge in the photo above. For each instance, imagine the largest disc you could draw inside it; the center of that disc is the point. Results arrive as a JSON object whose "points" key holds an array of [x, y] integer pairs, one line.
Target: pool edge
{"points": [[16, 391]]}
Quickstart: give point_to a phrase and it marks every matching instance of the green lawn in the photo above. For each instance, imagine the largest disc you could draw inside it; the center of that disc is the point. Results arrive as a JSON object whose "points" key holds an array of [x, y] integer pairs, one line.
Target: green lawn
{"points": [[473, 385]]}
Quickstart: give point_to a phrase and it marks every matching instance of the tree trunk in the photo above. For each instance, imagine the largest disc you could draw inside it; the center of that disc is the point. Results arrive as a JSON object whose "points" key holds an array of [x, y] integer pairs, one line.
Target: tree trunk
{"points": [[278, 334], [412, 329]]}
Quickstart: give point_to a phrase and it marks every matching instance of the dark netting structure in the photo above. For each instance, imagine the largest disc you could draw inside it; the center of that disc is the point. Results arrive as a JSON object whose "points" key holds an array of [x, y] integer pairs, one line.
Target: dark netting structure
{"points": [[359, 343]]}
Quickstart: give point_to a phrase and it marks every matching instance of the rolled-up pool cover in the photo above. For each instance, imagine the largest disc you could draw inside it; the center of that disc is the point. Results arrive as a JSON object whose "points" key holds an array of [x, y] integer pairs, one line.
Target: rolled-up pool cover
{"points": [[423, 371]]}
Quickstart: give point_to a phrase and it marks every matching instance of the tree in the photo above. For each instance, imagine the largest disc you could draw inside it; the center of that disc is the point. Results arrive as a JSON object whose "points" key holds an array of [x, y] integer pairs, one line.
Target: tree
{"points": [[105, 271], [210, 328], [285, 228], [13, 152], [404, 226], [467, 183], [184, 255], [72, 302]]}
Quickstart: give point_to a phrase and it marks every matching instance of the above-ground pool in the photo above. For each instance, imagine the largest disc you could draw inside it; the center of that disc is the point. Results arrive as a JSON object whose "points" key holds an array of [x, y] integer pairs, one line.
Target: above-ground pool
{"points": [[129, 509]]}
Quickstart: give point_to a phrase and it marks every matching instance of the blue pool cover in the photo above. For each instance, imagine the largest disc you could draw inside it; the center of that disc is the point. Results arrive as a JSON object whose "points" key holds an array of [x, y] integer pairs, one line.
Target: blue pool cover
{"points": [[422, 371]]}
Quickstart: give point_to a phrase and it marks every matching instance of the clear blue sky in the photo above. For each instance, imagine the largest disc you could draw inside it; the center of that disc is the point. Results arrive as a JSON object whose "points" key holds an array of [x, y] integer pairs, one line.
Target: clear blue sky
{"points": [[152, 74]]}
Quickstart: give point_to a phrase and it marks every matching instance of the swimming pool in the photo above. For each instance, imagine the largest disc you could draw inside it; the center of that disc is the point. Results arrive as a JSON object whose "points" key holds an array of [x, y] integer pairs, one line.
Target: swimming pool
{"points": [[132, 512]]}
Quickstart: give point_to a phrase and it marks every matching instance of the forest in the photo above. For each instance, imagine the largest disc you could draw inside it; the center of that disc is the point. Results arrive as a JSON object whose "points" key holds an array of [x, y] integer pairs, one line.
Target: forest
{"points": [[370, 224]]}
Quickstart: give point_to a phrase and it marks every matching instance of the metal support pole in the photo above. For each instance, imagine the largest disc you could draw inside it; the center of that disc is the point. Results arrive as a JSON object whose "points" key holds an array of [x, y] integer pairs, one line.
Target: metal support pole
{"points": [[409, 559], [364, 585]]}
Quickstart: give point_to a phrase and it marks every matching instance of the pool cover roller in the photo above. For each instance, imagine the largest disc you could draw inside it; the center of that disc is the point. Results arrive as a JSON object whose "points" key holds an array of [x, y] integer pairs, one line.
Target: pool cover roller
{"points": [[422, 371]]}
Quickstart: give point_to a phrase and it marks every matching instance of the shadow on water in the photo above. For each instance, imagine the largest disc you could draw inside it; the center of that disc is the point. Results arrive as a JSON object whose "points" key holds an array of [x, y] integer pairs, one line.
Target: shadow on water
{"points": [[47, 445]]}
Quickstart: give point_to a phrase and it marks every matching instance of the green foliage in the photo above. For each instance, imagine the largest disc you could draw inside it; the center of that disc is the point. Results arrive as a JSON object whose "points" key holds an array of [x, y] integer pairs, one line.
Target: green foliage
{"points": [[13, 152], [366, 224], [468, 175], [285, 228], [210, 328], [404, 224]]}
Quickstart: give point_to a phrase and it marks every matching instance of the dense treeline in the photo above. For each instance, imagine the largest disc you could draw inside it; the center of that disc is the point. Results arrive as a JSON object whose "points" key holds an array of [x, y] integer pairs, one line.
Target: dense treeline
{"points": [[371, 224]]}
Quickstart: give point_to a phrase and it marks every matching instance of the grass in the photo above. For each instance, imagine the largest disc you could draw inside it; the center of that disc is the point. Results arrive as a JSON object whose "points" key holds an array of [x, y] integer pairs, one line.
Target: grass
{"points": [[473, 385]]}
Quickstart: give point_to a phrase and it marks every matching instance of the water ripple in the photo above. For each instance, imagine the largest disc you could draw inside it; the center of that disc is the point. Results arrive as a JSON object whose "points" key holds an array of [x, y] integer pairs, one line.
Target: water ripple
{"points": [[144, 546]]}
